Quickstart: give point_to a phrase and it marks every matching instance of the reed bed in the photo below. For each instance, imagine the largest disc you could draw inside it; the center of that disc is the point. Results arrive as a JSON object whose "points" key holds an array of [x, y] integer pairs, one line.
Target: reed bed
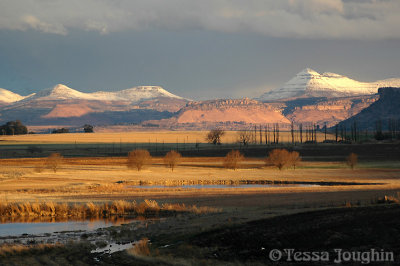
{"points": [[90, 209]]}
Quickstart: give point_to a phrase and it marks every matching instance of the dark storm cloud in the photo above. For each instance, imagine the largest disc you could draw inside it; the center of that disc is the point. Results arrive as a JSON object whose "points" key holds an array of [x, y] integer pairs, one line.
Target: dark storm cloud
{"points": [[284, 18]]}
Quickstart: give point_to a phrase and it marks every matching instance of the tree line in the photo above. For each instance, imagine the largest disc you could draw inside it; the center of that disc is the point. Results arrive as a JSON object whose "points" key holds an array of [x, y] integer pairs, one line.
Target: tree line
{"points": [[13, 128]]}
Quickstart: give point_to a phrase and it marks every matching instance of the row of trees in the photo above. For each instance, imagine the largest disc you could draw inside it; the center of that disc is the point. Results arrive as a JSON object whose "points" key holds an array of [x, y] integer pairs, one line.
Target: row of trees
{"points": [[17, 128], [137, 159], [280, 158], [307, 133], [268, 134]]}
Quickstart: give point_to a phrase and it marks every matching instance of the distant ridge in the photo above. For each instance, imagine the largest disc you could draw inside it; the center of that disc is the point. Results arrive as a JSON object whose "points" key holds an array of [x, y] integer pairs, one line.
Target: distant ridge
{"points": [[309, 83]]}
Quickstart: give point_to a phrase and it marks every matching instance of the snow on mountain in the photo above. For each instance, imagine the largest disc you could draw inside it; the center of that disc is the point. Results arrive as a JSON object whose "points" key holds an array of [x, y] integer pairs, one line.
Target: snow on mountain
{"points": [[59, 92], [309, 83], [62, 92], [135, 94], [393, 82], [9, 96]]}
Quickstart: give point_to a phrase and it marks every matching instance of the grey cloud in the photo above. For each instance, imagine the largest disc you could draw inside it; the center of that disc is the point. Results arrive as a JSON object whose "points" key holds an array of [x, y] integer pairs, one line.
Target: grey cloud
{"points": [[326, 19]]}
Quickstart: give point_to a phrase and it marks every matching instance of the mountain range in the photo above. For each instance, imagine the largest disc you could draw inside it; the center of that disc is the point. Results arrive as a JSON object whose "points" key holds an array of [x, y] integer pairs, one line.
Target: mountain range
{"points": [[309, 97], [62, 92]]}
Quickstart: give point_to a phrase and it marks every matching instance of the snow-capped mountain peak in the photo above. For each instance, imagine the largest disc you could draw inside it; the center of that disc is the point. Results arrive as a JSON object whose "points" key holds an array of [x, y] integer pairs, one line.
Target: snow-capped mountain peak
{"points": [[309, 83], [59, 92], [9, 96], [307, 71]]}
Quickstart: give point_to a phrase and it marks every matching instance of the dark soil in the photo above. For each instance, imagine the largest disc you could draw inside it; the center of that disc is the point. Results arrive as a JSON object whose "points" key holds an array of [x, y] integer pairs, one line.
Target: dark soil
{"points": [[350, 229]]}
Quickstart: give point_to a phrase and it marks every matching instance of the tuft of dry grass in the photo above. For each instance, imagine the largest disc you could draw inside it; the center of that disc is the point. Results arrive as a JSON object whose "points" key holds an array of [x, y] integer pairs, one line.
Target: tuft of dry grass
{"points": [[90, 209], [141, 248], [9, 250], [39, 168], [12, 174]]}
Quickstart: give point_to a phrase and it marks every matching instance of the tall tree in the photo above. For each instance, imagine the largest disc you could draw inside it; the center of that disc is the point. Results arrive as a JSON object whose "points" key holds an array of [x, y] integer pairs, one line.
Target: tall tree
{"points": [[214, 136], [292, 131], [301, 132]]}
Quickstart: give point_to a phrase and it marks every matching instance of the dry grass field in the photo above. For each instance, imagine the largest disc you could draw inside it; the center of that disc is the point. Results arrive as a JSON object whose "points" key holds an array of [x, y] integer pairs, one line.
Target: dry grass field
{"points": [[135, 137]]}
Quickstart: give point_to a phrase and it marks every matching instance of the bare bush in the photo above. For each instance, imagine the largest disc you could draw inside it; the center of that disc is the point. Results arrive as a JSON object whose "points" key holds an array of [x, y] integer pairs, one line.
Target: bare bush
{"points": [[295, 159], [352, 160], [214, 136], [244, 137], [138, 159], [278, 158], [233, 159], [172, 159], [54, 161]]}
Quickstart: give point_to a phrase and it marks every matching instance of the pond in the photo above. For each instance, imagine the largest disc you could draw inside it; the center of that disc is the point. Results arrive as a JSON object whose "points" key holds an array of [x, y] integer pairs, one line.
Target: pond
{"points": [[35, 227], [241, 184]]}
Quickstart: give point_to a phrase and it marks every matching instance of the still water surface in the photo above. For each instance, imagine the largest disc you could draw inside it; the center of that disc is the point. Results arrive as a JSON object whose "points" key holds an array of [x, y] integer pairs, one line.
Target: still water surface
{"points": [[12, 228]]}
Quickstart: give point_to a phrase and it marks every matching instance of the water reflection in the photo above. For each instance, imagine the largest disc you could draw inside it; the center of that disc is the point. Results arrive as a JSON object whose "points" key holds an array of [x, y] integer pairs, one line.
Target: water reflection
{"points": [[198, 186], [45, 219], [13, 226]]}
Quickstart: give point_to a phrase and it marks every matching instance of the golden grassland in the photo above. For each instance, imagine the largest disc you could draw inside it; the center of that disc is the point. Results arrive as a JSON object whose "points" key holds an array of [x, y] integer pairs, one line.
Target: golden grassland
{"points": [[137, 137], [99, 179]]}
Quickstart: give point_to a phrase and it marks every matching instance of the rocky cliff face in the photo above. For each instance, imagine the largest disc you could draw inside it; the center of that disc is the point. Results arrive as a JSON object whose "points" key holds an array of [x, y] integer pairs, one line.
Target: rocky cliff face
{"points": [[228, 114], [329, 111], [387, 107], [243, 111]]}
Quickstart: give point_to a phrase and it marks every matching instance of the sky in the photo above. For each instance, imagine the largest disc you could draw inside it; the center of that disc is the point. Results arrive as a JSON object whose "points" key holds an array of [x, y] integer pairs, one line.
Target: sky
{"points": [[196, 49]]}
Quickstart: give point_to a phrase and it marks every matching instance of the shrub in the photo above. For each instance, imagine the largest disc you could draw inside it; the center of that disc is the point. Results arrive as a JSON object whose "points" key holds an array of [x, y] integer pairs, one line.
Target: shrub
{"points": [[60, 130], [54, 161], [172, 159], [352, 160], [138, 158], [88, 128], [279, 158], [233, 159], [294, 159]]}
